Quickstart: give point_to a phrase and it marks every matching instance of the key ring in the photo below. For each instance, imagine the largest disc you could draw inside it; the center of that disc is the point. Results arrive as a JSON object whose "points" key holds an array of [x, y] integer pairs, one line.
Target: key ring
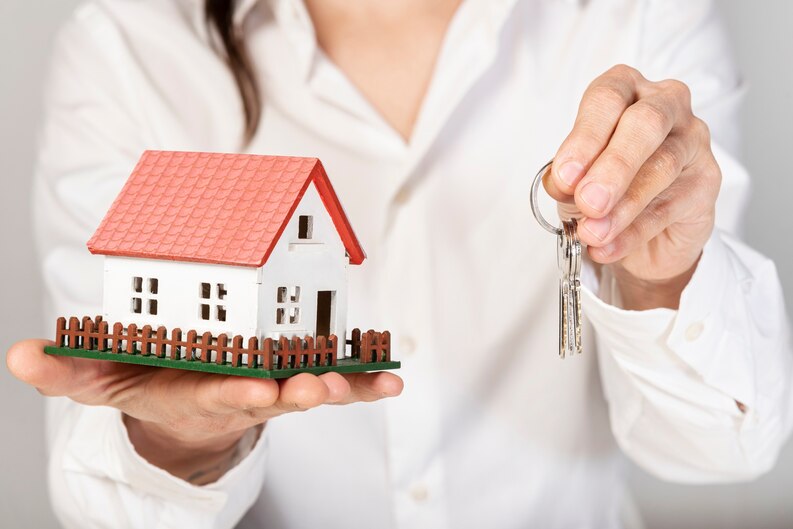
{"points": [[535, 206]]}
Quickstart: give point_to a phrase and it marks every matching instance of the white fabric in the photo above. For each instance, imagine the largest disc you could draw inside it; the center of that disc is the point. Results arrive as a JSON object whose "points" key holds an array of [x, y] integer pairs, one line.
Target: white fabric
{"points": [[492, 429]]}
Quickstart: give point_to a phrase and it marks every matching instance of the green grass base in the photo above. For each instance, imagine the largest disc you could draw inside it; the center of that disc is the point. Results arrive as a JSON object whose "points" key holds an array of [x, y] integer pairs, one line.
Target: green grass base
{"points": [[345, 365]]}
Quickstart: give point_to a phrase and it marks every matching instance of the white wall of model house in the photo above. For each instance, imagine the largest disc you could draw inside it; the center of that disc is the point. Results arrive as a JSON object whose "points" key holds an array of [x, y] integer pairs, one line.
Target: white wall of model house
{"points": [[179, 295], [317, 264], [278, 299]]}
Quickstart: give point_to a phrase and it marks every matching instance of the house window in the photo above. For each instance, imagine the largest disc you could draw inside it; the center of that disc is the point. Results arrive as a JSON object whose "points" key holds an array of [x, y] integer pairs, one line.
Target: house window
{"points": [[210, 307], [287, 305], [305, 226], [144, 299]]}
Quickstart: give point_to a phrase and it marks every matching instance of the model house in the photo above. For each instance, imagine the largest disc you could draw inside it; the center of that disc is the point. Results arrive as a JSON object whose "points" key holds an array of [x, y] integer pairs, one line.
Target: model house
{"points": [[240, 244]]}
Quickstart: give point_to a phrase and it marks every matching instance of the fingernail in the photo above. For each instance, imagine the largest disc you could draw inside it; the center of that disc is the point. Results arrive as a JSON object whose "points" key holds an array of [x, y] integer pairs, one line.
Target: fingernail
{"points": [[570, 172], [598, 227], [596, 196]]}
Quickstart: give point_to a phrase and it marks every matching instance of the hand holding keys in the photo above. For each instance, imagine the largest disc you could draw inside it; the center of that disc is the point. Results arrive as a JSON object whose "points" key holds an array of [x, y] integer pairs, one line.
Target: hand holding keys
{"points": [[568, 256]]}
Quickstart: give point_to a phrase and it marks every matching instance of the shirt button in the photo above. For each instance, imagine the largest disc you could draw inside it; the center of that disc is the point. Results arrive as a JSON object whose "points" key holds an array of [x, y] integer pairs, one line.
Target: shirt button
{"points": [[694, 331], [419, 493], [407, 346], [402, 197]]}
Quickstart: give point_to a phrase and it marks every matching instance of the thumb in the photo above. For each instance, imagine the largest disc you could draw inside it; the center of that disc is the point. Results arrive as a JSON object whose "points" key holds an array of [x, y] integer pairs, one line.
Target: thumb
{"points": [[51, 375], [565, 204]]}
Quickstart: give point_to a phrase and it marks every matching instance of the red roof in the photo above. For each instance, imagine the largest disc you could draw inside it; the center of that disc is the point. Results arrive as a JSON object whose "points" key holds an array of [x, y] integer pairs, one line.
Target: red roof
{"points": [[213, 208]]}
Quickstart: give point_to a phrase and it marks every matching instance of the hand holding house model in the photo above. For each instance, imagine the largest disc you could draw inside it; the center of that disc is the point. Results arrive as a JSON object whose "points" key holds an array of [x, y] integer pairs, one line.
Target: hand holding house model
{"points": [[226, 263]]}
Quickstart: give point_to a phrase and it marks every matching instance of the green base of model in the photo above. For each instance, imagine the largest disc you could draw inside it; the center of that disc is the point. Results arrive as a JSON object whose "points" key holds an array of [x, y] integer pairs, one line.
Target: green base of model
{"points": [[344, 365]]}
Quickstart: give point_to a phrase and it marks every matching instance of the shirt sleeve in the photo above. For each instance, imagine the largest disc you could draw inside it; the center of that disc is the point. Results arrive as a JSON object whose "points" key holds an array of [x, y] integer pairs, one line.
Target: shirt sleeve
{"points": [[703, 393], [92, 136], [97, 480]]}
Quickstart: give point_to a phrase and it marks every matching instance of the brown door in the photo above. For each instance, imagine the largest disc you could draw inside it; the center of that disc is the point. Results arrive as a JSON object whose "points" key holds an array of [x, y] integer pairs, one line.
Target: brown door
{"points": [[325, 300]]}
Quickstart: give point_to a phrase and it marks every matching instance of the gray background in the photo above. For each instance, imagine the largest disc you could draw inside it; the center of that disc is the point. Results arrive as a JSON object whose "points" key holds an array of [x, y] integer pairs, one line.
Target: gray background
{"points": [[764, 47]]}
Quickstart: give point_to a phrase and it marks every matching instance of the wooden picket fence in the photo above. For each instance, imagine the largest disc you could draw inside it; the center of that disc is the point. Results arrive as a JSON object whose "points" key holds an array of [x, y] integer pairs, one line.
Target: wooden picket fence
{"points": [[370, 346], [97, 335]]}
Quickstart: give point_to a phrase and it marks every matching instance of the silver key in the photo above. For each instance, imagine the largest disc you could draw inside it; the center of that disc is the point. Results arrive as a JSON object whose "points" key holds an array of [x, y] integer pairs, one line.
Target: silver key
{"points": [[569, 260]]}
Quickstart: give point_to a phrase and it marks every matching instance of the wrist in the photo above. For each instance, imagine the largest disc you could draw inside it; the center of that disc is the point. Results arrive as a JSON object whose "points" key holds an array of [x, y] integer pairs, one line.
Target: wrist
{"points": [[646, 294], [200, 460]]}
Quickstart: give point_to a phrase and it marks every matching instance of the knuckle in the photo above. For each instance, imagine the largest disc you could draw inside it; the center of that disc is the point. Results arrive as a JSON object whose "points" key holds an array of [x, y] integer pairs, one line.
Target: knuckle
{"points": [[711, 173], [650, 116], [633, 202], [657, 214], [697, 193], [606, 93], [584, 144], [587, 135], [620, 163], [668, 160], [624, 71], [677, 89], [701, 130]]}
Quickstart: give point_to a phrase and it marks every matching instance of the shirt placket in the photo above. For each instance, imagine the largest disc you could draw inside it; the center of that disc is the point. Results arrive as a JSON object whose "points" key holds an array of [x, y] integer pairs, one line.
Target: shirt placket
{"points": [[413, 421]]}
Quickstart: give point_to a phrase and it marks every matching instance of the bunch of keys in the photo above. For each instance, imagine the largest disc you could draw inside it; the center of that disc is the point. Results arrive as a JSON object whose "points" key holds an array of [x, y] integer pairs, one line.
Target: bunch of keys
{"points": [[568, 256]]}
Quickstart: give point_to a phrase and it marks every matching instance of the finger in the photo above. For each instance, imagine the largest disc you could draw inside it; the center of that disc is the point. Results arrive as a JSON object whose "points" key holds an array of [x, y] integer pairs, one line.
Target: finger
{"points": [[688, 200], [551, 187], [302, 392], [657, 173], [640, 132], [650, 223], [234, 393], [51, 375], [338, 387], [368, 387], [565, 204], [602, 104]]}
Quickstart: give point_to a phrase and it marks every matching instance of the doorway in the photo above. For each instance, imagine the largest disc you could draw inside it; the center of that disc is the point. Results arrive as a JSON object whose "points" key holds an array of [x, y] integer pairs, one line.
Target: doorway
{"points": [[325, 306]]}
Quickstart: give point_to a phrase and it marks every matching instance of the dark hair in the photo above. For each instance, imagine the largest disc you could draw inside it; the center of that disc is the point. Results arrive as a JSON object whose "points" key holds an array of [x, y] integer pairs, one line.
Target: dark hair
{"points": [[220, 15]]}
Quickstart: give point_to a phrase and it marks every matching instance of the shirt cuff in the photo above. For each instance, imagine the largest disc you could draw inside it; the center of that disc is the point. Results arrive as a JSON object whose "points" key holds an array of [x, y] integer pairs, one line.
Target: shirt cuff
{"points": [[703, 337], [100, 446]]}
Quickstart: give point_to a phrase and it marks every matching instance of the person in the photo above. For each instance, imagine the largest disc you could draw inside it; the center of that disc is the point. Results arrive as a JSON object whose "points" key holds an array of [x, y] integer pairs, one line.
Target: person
{"points": [[431, 118]]}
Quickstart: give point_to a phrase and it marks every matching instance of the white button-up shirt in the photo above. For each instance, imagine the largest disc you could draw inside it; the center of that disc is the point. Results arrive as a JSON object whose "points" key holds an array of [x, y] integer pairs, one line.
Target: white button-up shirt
{"points": [[492, 428]]}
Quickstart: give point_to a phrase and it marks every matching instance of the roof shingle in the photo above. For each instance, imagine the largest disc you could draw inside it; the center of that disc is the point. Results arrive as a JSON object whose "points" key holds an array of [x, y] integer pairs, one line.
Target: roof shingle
{"points": [[213, 207]]}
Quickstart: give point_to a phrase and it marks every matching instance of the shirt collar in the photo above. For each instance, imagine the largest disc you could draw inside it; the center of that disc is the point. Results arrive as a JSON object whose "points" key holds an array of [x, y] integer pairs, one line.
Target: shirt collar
{"points": [[298, 9], [293, 16]]}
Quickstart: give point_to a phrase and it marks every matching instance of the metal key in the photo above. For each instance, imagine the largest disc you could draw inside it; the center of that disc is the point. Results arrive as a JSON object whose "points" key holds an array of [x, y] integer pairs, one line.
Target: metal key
{"points": [[568, 256], [569, 260]]}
